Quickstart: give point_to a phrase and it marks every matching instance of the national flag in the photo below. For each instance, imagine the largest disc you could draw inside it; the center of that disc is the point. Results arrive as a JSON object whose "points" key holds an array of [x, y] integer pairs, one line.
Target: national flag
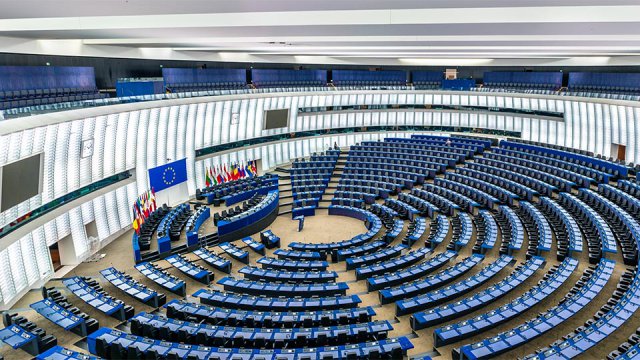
{"points": [[236, 174], [207, 179], [136, 226], [243, 174], [219, 176], [254, 168], [227, 174], [248, 170]]}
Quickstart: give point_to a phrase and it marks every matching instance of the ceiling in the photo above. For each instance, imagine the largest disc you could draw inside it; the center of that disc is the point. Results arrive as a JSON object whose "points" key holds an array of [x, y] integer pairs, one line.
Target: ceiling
{"points": [[362, 32]]}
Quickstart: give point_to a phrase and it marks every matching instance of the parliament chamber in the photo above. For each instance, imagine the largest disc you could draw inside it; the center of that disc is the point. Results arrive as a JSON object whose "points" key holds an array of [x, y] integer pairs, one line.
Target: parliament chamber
{"points": [[319, 180]]}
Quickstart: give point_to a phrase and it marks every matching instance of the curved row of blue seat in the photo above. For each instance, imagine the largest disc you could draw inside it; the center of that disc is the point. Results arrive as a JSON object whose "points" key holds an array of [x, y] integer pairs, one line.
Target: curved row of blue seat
{"points": [[403, 209], [443, 313], [95, 298], [571, 227], [479, 186], [394, 231], [195, 221], [462, 230], [451, 142], [171, 225], [60, 316], [430, 282], [308, 185], [384, 209], [397, 175], [455, 140], [357, 203], [504, 163], [378, 183], [590, 161], [377, 155], [242, 286], [312, 163], [471, 149], [260, 207], [365, 187], [406, 147], [235, 252], [61, 353], [292, 265], [309, 195], [620, 308], [254, 245], [424, 207], [443, 204], [133, 288], [580, 296], [467, 150], [182, 310], [533, 185], [542, 225], [106, 342], [378, 256], [217, 262], [390, 183], [572, 172], [255, 273], [478, 145], [568, 176], [261, 303], [605, 242], [626, 228], [162, 278], [439, 157], [366, 197], [453, 291], [522, 191], [312, 170], [392, 265], [622, 197], [555, 278], [632, 188], [438, 231], [168, 329], [190, 269], [474, 195], [487, 232], [357, 251], [596, 175], [415, 230], [238, 187], [418, 166], [515, 230], [299, 255], [411, 273], [633, 353]]}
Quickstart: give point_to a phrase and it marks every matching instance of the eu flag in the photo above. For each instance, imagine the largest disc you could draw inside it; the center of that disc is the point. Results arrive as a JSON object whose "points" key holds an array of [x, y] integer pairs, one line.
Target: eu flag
{"points": [[168, 175]]}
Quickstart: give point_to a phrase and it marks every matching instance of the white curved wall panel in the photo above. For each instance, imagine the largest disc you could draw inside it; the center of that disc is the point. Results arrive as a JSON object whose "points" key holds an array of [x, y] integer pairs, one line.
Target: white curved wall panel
{"points": [[140, 136]]}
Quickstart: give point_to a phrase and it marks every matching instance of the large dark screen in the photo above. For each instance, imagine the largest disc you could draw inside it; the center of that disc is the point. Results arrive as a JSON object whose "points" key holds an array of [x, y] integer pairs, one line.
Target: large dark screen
{"points": [[20, 181], [276, 118]]}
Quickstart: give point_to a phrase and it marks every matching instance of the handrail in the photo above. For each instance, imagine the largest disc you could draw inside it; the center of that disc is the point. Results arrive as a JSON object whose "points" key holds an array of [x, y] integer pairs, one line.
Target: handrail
{"points": [[64, 199]]}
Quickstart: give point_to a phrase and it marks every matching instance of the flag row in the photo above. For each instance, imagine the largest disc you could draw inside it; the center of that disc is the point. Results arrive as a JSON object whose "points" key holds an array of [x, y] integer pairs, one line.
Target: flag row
{"points": [[144, 205], [220, 174]]}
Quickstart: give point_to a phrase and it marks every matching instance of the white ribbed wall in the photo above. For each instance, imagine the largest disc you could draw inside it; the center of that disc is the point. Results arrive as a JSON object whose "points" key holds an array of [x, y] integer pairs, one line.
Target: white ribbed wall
{"points": [[141, 136]]}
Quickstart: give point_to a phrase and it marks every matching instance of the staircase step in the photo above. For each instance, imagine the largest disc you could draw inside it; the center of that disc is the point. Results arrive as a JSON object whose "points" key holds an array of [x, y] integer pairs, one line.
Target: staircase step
{"points": [[282, 170]]}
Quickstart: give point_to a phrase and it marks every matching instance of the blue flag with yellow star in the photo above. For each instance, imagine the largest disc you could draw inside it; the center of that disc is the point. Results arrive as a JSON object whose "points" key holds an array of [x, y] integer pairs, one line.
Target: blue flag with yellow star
{"points": [[168, 175]]}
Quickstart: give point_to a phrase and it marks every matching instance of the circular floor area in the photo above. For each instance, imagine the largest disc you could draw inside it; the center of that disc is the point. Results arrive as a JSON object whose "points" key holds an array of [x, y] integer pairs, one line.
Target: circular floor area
{"points": [[317, 229]]}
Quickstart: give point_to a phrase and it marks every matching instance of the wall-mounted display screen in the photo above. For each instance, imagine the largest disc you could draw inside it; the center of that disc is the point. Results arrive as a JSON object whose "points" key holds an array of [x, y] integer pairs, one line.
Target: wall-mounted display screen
{"points": [[20, 181], [274, 119]]}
